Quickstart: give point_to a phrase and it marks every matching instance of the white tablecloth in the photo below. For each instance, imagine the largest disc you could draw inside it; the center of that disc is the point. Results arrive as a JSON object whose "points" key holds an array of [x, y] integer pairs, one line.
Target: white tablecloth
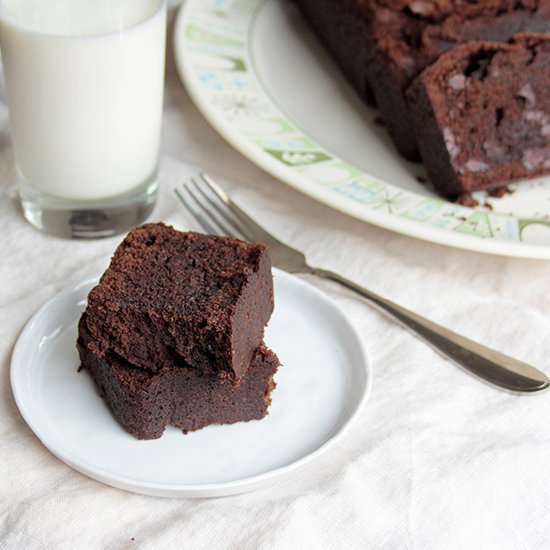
{"points": [[438, 459]]}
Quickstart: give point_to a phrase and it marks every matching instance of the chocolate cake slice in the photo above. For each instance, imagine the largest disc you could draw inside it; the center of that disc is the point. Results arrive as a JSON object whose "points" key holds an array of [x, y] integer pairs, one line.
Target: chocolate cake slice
{"points": [[383, 45], [420, 31], [145, 402], [171, 298], [482, 114]]}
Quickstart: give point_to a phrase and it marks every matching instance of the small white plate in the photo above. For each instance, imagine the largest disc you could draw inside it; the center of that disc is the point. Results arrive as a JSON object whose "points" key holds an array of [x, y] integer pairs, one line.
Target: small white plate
{"points": [[321, 389], [259, 76]]}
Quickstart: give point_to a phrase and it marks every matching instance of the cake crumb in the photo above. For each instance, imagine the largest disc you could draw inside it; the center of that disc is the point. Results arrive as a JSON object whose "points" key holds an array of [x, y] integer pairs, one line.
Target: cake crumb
{"points": [[499, 192], [466, 199]]}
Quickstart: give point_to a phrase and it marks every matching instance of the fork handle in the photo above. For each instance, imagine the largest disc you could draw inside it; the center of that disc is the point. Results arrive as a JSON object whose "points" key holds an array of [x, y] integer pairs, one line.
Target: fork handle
{"points": [[488, 364]]}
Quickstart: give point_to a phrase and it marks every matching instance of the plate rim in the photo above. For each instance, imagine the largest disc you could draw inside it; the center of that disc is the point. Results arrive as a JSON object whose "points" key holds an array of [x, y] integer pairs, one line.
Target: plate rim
{"points": [[178, 490], [254, 153]]}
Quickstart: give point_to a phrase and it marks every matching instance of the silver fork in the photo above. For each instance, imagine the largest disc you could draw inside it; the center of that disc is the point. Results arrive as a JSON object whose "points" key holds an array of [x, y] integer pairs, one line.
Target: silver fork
{"points": [[216, 213]]}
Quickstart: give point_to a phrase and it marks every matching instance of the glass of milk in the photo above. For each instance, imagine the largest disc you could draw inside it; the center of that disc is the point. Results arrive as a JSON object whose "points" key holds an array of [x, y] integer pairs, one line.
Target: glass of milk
{"points": [[84, 83]]}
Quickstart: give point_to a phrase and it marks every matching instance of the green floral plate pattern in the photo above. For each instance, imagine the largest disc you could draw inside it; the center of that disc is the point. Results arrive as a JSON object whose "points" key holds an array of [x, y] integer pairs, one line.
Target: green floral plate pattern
{"points": [[214, 54]]}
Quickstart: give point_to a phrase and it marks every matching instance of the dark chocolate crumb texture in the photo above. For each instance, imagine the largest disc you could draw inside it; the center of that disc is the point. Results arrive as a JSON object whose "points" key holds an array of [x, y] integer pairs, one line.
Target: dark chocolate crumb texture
{"points": [[145, 402], [171, 298], [383, 45], [482, 114]]}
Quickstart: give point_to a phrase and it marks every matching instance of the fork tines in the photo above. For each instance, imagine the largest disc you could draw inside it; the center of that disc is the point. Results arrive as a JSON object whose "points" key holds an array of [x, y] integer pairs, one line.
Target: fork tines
{"points": [[209, 206]]}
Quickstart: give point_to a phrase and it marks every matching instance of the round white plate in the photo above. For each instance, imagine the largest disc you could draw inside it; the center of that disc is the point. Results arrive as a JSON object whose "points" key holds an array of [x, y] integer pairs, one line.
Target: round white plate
{"points": [[267, 86], [321, 389]]}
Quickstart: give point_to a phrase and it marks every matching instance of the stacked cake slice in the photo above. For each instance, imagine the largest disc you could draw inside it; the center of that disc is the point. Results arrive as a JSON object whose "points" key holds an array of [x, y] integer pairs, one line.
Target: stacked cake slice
{"points": [[172, 334]]}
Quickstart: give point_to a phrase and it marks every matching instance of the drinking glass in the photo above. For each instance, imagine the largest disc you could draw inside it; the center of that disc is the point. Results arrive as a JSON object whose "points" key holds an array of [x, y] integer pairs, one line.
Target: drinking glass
{"points": [[84, 84]]}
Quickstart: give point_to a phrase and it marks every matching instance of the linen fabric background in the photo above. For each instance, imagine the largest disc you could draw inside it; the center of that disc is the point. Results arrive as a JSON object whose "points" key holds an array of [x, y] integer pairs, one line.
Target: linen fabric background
{"points": [[437, 460]]}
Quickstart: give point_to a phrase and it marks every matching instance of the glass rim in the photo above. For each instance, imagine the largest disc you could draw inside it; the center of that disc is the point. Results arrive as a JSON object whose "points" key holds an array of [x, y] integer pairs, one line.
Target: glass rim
{"points": [[7, 17]]}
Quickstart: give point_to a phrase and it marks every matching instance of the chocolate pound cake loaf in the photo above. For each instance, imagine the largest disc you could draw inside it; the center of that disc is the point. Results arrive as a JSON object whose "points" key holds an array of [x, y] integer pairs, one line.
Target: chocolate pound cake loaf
{"points": [[482, 114], [383, 45], [418, 32], [171, 298], [145, 402]]}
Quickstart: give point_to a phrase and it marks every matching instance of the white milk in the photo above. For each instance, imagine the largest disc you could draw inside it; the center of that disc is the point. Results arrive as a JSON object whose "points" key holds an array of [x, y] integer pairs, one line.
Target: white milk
{"points": [[85, 82]]}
